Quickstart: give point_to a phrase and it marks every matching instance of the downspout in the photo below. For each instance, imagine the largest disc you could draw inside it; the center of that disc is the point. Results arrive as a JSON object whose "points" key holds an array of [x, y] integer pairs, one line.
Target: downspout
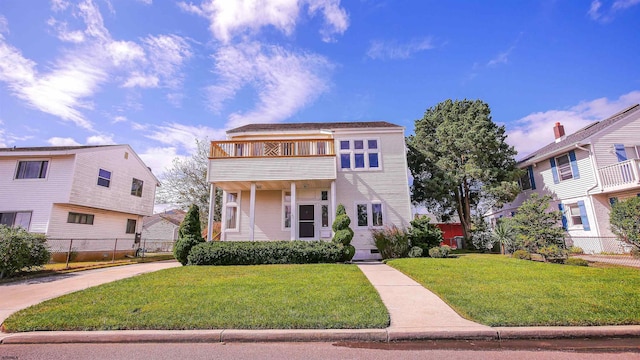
{"points": [[597, 184]]}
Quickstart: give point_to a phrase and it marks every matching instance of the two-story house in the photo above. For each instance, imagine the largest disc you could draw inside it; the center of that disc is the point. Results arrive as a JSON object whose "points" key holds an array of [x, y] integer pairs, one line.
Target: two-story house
{"points": [[284, 181], [585, 173], [76, 192]]}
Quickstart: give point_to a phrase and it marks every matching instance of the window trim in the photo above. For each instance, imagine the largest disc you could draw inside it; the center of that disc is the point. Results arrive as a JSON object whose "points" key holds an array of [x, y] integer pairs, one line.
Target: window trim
{"points": [[365, 152], [15, 216], [228, 205], [285, 203], [40, 160], [88, 217], [370, 214], [564, 167]]}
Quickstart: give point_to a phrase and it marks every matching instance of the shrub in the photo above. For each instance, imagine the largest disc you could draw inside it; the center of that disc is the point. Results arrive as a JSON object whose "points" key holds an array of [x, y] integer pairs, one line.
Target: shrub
{"points": [[189, 234], [576, 262], [553, 253], [504, 234], [391, 242], [522, 255], [440, 251], [576, 250], [343, 233], [424, 234], [415, 252], [265, 252], [20, 249], [625, 220], [635, 253], [535, 226]]}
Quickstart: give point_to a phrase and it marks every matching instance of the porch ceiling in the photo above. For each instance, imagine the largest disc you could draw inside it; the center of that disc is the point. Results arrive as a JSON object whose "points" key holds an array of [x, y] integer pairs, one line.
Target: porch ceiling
{"points": [[272, 185]]}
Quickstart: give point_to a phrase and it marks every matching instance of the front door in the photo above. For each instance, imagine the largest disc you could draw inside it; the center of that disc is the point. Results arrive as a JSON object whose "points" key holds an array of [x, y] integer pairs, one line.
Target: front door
{"points": [[306, 225]]}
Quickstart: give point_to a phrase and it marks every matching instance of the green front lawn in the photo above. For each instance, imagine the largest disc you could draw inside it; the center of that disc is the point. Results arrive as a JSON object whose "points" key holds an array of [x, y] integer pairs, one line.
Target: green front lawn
{"points": [[500, 291], [318, 296]]}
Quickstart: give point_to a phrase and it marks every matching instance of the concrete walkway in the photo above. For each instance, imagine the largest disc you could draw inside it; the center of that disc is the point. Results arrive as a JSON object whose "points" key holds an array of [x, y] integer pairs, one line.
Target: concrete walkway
{"points": [[19, 295], [416, 313]]}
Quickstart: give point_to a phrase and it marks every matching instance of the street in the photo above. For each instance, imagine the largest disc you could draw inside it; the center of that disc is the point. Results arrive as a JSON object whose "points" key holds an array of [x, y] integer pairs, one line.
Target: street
{"points": [[472, 350]]}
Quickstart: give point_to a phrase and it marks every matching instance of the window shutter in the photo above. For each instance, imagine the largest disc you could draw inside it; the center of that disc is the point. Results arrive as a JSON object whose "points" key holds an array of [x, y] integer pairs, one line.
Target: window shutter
{"points": [[614, 200], [554, 171], [583, 216], [574, 164], [564, 218], [620, 153], [531, 179]]}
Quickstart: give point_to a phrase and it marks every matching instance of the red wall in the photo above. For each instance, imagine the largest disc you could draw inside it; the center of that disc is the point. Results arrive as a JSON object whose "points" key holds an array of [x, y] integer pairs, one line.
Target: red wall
{"points": [[449, 230]]}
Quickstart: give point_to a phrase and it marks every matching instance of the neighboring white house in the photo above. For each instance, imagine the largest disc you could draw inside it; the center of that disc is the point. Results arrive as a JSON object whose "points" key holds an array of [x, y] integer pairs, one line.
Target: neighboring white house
{"points": [[585, 173], [284, 181], [162, 226], [76, 192]]}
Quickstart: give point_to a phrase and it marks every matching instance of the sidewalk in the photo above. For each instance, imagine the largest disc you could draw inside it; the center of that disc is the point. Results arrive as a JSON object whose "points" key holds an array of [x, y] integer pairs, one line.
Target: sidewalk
{"points": [[416, 314]]}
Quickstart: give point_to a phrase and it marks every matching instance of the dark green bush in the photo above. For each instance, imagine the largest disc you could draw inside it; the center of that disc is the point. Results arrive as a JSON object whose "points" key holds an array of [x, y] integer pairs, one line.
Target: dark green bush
{"points": [[265, 252], [183, 246], [424, 234], [391, 242], [576, 262], [189, 234], [553, 253], [21, 250], [521, 254], [415, 252], [343, 233]]}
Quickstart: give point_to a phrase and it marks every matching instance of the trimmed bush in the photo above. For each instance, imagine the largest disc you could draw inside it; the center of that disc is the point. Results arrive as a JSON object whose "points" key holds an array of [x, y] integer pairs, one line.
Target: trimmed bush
{"points": [[189, 234], [635, 253], [424, 234], [415, 252], [391, 242], [576, 262], [440, 251], [522, 255], [576, 250], [553, 253], [265, 252], [182, 247], [21, 250], [343, 233]]}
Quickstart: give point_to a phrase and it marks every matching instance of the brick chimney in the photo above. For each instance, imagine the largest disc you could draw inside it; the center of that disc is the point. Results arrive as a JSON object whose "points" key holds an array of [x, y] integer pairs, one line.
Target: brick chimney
{"points": [[558, 131]]}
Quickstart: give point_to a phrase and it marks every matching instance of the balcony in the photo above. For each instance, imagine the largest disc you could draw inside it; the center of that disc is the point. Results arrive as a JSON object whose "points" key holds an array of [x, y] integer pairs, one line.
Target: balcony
{"points": [[620, 176], [272, 164]]}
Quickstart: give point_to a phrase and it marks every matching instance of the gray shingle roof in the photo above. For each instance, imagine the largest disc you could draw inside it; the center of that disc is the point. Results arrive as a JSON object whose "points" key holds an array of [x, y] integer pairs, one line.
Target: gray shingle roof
{"points": [[51, 148], [311, 126], [578, 136]]}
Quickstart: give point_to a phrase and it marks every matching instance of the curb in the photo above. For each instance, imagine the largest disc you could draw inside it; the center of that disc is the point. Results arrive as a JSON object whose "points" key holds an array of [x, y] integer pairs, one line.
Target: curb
{"points": [[323, 335]]}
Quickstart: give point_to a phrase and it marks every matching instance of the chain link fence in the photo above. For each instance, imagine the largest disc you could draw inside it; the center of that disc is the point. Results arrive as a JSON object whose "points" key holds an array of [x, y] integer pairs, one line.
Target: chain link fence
{"points": [[108, 249], [602, 249]]}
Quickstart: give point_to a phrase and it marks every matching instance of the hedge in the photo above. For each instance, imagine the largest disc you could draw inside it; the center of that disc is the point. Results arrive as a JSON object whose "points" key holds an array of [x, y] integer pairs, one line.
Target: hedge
{"points": [[21, 250], [265, 252]]}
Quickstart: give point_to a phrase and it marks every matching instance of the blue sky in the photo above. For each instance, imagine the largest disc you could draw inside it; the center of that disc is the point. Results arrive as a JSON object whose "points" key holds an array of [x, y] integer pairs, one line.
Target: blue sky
{"points": [[158, 74]]}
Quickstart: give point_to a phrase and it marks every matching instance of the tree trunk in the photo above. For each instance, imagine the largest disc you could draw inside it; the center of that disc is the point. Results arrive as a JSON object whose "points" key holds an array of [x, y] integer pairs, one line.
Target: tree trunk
{"points": [[462, 201]]}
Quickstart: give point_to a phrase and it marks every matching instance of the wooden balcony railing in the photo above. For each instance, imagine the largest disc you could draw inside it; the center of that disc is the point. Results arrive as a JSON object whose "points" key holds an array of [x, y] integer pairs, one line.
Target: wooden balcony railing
{"points": [[622, 173], [271, 148]]}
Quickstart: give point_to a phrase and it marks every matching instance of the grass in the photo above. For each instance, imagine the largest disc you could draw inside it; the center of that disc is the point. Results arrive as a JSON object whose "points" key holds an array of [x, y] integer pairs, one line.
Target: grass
{"points": [[318, 296], [499, 291]]}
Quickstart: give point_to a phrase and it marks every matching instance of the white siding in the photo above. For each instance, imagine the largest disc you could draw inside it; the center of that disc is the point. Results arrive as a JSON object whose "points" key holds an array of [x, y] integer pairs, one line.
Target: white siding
{"points": [[268, 218], [263, 169], [117, 197], [161, 230], [35, 195], [106, 224], [625, 131]]}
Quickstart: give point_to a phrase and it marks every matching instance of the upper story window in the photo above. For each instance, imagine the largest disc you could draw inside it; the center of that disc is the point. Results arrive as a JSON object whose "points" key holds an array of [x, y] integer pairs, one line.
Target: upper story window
{"points": [[564, 167], [32, 169], [359, 154], [104, 178], [527, 181], [136, 187]]}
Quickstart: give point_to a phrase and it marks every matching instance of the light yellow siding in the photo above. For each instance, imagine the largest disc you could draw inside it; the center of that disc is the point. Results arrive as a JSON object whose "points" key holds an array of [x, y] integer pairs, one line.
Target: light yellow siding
{"points": [[264, 169]]}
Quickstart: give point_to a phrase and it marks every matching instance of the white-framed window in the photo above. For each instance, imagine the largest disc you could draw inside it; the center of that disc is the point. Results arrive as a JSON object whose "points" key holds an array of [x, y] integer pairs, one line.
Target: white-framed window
{"points": [[232, 211], [104, 177], [360, 154], [79, 218], [286, 210], [564, 167], [136, 187], [324, 215], [32, 169], [575, 220], [16, 219], [369, 214]]}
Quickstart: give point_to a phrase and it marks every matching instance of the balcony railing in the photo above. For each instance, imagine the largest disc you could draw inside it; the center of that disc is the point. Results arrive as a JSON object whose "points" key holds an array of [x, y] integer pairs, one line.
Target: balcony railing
{"points": [[271, 148], [620, 174]]}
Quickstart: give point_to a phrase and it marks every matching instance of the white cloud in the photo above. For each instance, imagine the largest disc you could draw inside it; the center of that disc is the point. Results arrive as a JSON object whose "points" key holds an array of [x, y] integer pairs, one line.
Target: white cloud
{"points": [[501, 58], [4, 25], [141, 80], [167, 54], [286, 81], [536, 130], [101, 139], [391, 50], [159, 159], [184, 136], [242, 17], [598, 13], [138, 126], [59, 5], [59, 141], [118, 118], [146, 2], [124, 52]]}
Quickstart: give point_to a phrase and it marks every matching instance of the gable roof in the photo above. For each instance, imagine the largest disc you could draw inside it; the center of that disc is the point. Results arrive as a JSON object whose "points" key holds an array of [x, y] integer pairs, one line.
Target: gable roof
{"points": [[311, 126], [173, 216], [577, 137], [51, 148]]}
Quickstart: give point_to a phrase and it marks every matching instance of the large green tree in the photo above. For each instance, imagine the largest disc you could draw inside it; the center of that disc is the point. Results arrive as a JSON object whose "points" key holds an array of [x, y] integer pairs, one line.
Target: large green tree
{"points": [[185, 183], [625, 220], [536, 226], [458, 158]]}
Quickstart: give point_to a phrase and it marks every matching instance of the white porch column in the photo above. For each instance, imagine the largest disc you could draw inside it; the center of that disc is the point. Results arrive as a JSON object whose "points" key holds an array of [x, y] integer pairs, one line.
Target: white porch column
{"points": [[332, 206], [294, 211], [212, 207], [252, 211]]}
